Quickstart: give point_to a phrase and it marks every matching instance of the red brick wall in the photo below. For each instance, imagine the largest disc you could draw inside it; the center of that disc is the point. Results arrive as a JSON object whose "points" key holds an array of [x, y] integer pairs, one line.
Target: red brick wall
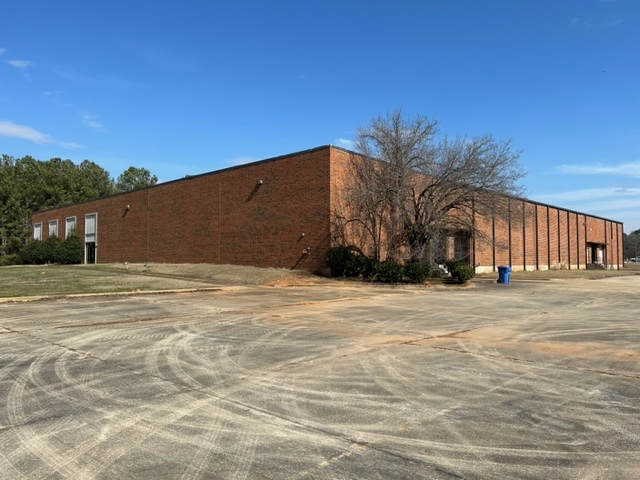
{"points": [[543, 237], [483, 244], [530, 236], [559, 240], [228, 217], [222, 217]]}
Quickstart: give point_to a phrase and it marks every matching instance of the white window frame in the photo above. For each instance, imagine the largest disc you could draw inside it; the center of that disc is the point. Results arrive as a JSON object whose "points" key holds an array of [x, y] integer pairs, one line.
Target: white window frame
{"points": [[87, 235], [67, 230], [51, 223], [88, 238], [37, 231]]}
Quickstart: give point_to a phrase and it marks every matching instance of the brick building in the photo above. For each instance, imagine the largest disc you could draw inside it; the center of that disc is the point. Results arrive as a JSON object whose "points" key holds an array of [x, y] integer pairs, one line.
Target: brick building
{"points": [[278, 213]]}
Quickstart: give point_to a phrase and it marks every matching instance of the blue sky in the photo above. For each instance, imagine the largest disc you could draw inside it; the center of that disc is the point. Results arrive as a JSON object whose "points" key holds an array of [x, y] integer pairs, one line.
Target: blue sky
{"points": [[193, 86]]}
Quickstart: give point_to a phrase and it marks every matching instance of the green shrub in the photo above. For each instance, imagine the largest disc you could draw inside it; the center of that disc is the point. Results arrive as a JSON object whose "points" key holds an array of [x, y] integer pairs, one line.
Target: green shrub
{"points": [[71, 251], [366, 266], [340, 260], [53, 249], [345, 263], [14, 245], [417, 272], [460, 271], [389, 271], [34, 253], [11, 259]]}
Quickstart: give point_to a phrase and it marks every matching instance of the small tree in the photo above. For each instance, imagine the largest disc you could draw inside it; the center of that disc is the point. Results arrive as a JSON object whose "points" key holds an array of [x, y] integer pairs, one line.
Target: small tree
{"points": [[409, 189]]}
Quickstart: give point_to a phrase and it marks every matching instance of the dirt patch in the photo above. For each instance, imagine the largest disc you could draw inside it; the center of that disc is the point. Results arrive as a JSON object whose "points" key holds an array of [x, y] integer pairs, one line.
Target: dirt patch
{"points": [[221, 274]]}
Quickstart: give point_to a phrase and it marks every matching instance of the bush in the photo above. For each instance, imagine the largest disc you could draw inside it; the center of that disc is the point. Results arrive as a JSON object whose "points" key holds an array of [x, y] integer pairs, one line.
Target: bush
{"points": [[71, 251], [11, 259], [460, 271], [34, 253], [389, 271], [345, 263], [366, 266], [417, 272], [340, 261], [52, 250]]}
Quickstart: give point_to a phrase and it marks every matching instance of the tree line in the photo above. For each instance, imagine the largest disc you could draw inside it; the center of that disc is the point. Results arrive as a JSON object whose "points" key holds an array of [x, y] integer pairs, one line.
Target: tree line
{"points": [[29, 185], [632, 244]]}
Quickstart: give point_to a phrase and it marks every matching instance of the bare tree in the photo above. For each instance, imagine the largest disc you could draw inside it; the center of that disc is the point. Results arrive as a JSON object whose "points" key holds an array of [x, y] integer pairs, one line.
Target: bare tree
{"points": [[410, 189]]}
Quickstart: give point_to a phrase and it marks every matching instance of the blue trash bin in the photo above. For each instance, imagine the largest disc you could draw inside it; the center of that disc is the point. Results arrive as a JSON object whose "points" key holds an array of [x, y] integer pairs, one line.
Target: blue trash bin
{"points": [[504, 274]]}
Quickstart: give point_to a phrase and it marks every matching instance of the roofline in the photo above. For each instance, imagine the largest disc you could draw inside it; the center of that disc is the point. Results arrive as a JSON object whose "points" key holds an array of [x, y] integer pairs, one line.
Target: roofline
{"points": [[191, 177], [294, 154]]}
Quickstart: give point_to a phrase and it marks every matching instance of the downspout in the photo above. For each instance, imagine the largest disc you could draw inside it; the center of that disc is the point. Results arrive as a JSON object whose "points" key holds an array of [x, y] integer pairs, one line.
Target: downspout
{"points": [[148, 226], [493, 239], [219, 223], [510, 235], [548, 239], [473, 231], [524, 236], [568, 240], [537, 240], [559, 240], [578, 240]]}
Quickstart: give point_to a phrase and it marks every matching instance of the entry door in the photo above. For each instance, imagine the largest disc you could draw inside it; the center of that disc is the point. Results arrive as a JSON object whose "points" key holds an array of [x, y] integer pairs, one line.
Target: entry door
{"points": [[90, 238], [90, 250]]}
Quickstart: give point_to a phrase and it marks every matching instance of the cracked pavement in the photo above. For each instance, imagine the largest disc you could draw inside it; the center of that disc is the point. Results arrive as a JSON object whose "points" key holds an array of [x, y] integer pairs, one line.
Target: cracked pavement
{"points": [[537, 379]]}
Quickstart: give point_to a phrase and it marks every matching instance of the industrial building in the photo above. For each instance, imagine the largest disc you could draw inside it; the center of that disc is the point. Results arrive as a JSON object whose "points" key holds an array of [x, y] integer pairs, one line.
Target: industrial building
{"points": [[278, 213]]}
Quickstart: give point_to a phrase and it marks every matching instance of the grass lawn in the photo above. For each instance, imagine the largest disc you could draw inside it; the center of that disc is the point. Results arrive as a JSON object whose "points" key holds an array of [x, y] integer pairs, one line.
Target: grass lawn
{"points": [[54, 280], [45, 280]]}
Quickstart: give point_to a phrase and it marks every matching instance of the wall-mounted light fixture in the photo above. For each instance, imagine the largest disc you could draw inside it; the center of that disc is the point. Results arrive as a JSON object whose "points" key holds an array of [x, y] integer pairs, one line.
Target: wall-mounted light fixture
{"points": [[260, 182], [127, 207]]}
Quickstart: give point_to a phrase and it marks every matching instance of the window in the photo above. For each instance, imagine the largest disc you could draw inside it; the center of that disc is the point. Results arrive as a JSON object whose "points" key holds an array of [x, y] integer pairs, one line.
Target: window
{"points": [[53, 228], [70, 226], [90, 228], [37, 231]]}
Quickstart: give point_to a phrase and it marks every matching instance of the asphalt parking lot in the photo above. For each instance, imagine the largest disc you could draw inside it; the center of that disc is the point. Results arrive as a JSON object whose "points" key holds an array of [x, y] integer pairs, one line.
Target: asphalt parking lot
{"points": [[536, 379]]}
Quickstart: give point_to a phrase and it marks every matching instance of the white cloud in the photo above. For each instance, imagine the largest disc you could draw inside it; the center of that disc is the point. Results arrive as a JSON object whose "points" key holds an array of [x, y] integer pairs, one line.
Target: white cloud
{"points": [[345, 143], [13, 130], [630, 169], [581, 22], [99, 80], [233, 162], [591, 194], [617, 203], [10, 129], [20, 64], [90, 120], [68, 145]]}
